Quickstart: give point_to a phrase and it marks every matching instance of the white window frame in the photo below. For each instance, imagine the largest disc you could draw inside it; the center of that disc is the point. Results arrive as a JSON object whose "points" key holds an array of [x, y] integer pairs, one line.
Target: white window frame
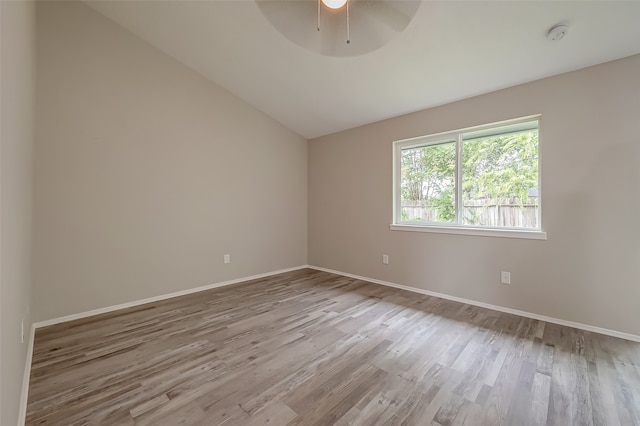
{"points": [[456, 136]]}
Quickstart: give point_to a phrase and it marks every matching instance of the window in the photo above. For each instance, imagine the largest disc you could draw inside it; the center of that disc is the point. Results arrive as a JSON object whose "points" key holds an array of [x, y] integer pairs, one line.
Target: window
{"points": [[483, 180]]}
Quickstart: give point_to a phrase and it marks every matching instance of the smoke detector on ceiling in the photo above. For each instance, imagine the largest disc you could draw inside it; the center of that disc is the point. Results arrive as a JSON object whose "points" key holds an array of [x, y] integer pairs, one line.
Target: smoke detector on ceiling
{"points": [[558, 32]]}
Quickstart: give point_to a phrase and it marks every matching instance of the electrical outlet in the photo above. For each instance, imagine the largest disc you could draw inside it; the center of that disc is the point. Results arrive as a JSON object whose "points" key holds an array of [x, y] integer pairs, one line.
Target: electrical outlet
{"points": [[385, 259], [227, 258], [505, 277]]}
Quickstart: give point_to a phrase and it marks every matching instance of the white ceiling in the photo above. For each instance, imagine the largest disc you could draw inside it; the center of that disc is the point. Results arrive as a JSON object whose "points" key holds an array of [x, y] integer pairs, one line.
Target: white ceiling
{"points": [[451, 50]]}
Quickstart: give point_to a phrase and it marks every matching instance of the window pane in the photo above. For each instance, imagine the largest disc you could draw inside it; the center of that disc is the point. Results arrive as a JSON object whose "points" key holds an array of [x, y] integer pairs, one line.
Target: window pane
{"points": [[428, 183], [500, 180]]}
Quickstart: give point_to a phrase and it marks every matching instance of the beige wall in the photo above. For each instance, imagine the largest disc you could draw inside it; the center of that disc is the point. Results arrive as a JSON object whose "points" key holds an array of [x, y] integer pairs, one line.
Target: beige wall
{"points": [[17, 100], [589, 268], [146, 173]]}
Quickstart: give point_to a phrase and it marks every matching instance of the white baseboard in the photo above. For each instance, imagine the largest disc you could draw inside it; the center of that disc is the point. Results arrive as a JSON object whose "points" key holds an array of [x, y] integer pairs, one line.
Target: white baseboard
{"points": [[107, 309], [24, 395], [586, 327]]}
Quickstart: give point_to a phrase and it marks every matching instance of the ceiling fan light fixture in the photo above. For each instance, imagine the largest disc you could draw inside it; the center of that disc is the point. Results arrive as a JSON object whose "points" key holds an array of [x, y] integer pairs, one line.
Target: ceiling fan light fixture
{"points": [[334, 4]]}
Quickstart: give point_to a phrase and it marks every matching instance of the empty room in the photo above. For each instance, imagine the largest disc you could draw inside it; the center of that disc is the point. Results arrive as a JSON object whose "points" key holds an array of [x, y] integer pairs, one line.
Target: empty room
{"points": [[319, 212]]}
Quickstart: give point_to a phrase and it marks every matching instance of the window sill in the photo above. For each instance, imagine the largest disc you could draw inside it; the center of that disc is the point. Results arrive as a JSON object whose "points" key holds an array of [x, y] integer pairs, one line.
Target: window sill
{"points": [[483, 232]]}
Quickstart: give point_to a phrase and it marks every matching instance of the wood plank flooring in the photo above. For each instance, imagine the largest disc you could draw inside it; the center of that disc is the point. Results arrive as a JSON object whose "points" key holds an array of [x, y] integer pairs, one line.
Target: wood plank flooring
{"points": [[313, 348]]}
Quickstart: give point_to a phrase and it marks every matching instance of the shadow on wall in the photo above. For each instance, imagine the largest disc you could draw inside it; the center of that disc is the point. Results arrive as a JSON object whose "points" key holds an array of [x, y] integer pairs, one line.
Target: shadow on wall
{"points": [[613, 232], [597, 233]]}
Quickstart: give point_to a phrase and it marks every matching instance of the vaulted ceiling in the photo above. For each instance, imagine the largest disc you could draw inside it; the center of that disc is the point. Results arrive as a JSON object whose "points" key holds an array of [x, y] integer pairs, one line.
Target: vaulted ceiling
{"points": [[451, 50]]}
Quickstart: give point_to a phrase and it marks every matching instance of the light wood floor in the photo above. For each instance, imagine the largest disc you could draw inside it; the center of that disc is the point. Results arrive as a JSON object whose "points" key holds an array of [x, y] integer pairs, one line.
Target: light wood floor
{"points": [[312, 348]]}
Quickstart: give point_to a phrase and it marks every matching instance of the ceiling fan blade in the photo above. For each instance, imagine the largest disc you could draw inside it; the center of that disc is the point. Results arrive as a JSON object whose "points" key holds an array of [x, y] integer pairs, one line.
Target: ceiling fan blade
{"points": [[372, 23], [395, 14]]}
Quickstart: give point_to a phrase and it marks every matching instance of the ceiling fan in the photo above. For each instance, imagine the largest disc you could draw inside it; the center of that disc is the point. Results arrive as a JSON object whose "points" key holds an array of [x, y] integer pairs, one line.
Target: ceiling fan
{"points": [[339, 27]]}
